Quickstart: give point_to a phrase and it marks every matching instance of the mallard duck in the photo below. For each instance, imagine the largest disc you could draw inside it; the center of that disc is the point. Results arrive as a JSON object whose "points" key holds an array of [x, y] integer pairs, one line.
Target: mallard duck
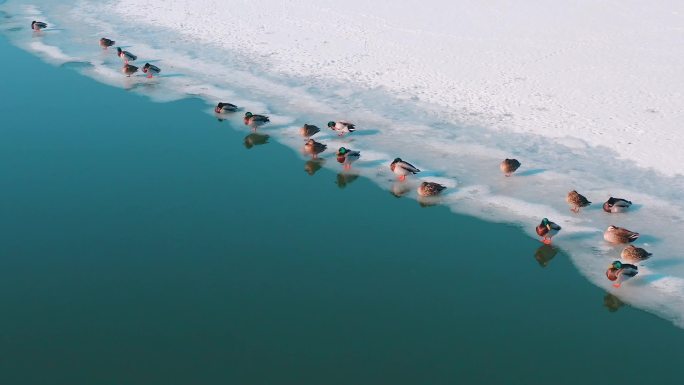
{"points": [[222, 108], [129, 69], [620, 272], [634, 254], [255, 139], [614, 234], [314, 148], [616, 205], [508, 166], [38, 25], [347, 157], [547, 229], [106, 43], [576, 201], [125, 55], [255, 119], [402, 168], [308, 130], [341, 127], [430, 189], [151, 69]]}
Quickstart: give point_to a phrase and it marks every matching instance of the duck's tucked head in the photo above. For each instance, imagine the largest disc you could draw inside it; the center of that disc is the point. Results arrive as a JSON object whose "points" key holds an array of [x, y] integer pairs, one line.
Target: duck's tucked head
{"points": [[545, 222], [342, 151], [118, 49], [616, 265], [396, 160], [331, 123], [310, 142], [248, 114]]}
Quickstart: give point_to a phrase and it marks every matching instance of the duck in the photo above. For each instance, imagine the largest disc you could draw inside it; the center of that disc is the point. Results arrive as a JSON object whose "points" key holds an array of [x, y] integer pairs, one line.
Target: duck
{"points": [[308, 130], [125, 55], [347, 157], [38, 25], [547, 229], [634, 254], [402, 168], [151, 70], [616, 205], [614, 234], [314, 148], [129, 69], [430, 189], [341, 127], [619, 272], [576, 201], [222, 108], [508, 166], [106, 43], [255, 119]]}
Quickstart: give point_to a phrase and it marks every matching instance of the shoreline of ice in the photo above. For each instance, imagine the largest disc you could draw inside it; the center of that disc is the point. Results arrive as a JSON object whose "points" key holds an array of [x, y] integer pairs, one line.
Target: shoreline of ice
{"points": [[464, 156]]}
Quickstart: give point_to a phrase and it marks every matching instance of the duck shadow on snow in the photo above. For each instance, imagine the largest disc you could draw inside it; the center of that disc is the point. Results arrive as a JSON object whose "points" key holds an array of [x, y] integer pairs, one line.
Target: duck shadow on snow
{"points": [[77, 65], [531, 172]]}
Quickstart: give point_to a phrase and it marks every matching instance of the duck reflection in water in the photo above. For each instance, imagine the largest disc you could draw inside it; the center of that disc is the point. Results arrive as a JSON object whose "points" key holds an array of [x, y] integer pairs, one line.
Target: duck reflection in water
{"points": [[343, 179], [255, 139], [400, 189], [612, 303], [313, 165], [545, 254]]}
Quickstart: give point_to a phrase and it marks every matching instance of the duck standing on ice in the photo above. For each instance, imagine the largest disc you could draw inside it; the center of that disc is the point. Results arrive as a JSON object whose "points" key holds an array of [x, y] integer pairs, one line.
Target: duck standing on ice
{"points": [[106, 43], [547, 229], [576, 201], [341, 127], [129, 69], [308, 130], [616, 205], [255, 120], [314, 148], [508, 166], [620, 272], [347, 157], [402, 168], [151, 70], [125, 55], [38, 25]]}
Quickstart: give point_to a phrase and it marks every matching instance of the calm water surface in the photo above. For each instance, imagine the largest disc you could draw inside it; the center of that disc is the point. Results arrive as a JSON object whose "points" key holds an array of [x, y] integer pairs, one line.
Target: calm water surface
{"points": [[145, 243]]}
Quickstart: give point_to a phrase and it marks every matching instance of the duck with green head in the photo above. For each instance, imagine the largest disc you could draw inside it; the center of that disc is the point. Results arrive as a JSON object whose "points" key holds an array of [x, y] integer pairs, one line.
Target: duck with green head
{"points": [[547, 229], [347, 157], [255, 120], [341, 127], [619, 272]]}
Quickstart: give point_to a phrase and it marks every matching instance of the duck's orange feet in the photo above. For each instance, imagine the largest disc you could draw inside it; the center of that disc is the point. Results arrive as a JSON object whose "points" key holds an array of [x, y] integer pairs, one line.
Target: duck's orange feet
{"points": [[616, 285], [402, 178], [546, 241]]}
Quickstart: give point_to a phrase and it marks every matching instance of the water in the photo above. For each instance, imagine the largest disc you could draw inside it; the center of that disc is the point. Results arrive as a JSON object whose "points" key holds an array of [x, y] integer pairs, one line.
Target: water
{"points": [[463, 157], [143, 243]]}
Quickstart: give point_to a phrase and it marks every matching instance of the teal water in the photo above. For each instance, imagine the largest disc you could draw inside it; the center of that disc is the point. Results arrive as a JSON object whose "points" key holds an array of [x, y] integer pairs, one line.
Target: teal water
{"points": [[143, 243]]}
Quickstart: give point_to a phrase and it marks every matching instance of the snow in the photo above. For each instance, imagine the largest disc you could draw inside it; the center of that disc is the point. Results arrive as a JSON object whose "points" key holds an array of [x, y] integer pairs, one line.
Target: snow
{"points": [[605, 72]]}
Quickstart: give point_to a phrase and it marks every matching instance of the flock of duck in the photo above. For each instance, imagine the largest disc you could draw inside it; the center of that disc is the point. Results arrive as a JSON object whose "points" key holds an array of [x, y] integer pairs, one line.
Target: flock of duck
{"points": [[618, 271]]}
